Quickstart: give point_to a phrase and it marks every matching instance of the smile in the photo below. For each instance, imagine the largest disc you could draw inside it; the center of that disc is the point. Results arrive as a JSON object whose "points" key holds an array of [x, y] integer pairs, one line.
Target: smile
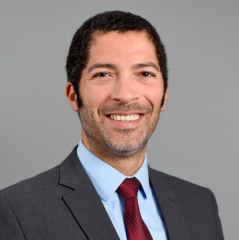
{"points": [[125, 118]]}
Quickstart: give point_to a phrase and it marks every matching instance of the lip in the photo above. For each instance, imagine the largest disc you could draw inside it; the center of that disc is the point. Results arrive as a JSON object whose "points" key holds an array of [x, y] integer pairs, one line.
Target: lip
{"points": [[124, 125], [124, 113]]}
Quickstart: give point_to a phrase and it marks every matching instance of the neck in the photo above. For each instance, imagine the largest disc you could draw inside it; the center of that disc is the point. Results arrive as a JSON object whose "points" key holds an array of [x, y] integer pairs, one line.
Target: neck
{"points": [[126, 164]]}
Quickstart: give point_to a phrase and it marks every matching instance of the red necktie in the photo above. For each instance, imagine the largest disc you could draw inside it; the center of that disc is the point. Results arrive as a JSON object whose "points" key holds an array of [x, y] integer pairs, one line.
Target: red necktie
{"points": [[136, 228]]}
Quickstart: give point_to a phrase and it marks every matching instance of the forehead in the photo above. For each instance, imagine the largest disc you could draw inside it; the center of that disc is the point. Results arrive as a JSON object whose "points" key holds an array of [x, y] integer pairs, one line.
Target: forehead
{"points": [[129, 44]]}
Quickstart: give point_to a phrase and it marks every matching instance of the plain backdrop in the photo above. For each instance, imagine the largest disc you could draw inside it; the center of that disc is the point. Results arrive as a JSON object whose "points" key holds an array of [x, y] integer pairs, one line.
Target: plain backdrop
{"points": [[197, 138]]}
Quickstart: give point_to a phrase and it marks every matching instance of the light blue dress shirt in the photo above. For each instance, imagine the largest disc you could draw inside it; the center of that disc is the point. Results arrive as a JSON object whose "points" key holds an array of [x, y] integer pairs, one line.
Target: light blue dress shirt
{"points": [[107, 179]]}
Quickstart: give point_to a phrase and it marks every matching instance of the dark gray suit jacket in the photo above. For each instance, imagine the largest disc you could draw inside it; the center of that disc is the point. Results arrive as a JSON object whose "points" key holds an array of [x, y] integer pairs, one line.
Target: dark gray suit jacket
{"points": [[62, 204]]}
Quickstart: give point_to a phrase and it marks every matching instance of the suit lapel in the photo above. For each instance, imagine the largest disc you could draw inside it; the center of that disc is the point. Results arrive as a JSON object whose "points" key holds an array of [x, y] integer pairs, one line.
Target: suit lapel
{"points": [[84, 202], [170, 207]]}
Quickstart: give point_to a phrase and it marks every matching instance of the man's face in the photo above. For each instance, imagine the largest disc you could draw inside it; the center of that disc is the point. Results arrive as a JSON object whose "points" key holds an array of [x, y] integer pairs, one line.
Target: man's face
{"points": [[121, 89]]}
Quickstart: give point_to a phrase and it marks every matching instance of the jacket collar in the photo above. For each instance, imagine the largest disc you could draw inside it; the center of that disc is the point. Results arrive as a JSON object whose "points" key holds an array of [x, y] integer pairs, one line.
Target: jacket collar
{"points": [[170, 206], [84, 202]]}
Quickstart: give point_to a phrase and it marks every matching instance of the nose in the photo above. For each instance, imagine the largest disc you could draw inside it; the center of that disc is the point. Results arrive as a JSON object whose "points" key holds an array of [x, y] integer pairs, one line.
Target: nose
{"points": [[125, 89]]}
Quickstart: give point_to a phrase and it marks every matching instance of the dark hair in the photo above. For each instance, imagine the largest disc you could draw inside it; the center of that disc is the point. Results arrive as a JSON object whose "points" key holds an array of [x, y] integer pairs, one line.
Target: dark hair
{"points": [[105, 22]]}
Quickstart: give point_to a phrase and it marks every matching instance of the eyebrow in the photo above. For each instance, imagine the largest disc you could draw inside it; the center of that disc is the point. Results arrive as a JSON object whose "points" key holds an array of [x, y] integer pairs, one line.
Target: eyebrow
{"points": [[147, 64], [101, 65], [112, 66]]}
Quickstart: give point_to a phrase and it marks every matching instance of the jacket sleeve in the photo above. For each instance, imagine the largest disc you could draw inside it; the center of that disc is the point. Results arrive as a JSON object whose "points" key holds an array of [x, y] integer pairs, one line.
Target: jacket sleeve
{"points": [[217, 219], [9, 225]]}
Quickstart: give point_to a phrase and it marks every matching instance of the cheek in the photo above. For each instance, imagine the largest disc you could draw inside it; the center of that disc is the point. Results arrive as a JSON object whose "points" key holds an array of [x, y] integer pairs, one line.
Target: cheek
{"points": [[154, 95], [94, 95]]}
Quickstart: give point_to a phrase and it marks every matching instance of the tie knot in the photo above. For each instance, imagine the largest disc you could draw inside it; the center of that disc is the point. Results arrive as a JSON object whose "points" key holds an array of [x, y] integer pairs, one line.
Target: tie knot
{"points": [[129, 188]]}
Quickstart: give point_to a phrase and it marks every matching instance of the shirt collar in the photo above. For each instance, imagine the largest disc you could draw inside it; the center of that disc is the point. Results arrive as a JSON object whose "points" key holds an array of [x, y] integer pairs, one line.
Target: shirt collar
{"points": [[104, 177]]}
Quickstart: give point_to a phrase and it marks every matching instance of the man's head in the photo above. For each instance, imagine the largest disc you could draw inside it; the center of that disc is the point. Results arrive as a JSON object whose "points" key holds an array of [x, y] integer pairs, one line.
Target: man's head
{"points": [[102, 23], [117, 81]]}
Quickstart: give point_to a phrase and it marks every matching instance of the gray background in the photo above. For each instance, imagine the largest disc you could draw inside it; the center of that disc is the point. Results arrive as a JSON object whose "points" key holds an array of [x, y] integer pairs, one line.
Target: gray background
{"points": [[197, 136]]}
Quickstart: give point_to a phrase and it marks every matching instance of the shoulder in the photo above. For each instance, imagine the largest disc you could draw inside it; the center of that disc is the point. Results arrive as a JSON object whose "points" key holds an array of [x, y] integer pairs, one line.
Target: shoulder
{"points": [[37, 185], [45, 183], [182, 188], [197, 204], [48, 186]]}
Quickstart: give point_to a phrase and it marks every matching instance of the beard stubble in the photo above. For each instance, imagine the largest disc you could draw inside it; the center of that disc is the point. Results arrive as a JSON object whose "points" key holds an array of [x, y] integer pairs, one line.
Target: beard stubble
{"points": [[128, 141]]}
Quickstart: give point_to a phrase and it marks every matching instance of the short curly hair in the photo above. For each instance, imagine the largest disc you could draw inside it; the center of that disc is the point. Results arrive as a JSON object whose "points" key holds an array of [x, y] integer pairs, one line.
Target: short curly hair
{"points": [[119, 21]]}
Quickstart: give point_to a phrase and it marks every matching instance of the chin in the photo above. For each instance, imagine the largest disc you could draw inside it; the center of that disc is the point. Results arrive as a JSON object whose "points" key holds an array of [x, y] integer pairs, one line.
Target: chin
{"points": [[125, 148]]}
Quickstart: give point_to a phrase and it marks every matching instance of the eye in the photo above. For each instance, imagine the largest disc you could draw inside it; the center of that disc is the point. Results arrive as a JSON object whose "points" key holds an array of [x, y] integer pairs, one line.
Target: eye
{"points": [[101, 74], [147, 74]]}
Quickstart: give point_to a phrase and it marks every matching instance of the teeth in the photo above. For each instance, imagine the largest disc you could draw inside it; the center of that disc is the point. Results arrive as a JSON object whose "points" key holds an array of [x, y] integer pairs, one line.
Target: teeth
{"points": [[125, 118]]}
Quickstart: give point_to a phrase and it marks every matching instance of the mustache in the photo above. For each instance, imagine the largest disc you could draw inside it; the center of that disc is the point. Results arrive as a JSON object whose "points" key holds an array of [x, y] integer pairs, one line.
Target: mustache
{"points": [[125, 108]]}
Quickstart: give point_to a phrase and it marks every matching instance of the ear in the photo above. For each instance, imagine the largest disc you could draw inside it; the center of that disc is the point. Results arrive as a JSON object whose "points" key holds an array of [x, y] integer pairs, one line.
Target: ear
{"points": [[165, 100], [72, 97]]}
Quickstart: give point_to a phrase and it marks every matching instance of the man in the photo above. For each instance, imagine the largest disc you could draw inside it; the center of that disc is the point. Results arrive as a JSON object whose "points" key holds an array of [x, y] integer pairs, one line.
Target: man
{"points": [[117, 82]]}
